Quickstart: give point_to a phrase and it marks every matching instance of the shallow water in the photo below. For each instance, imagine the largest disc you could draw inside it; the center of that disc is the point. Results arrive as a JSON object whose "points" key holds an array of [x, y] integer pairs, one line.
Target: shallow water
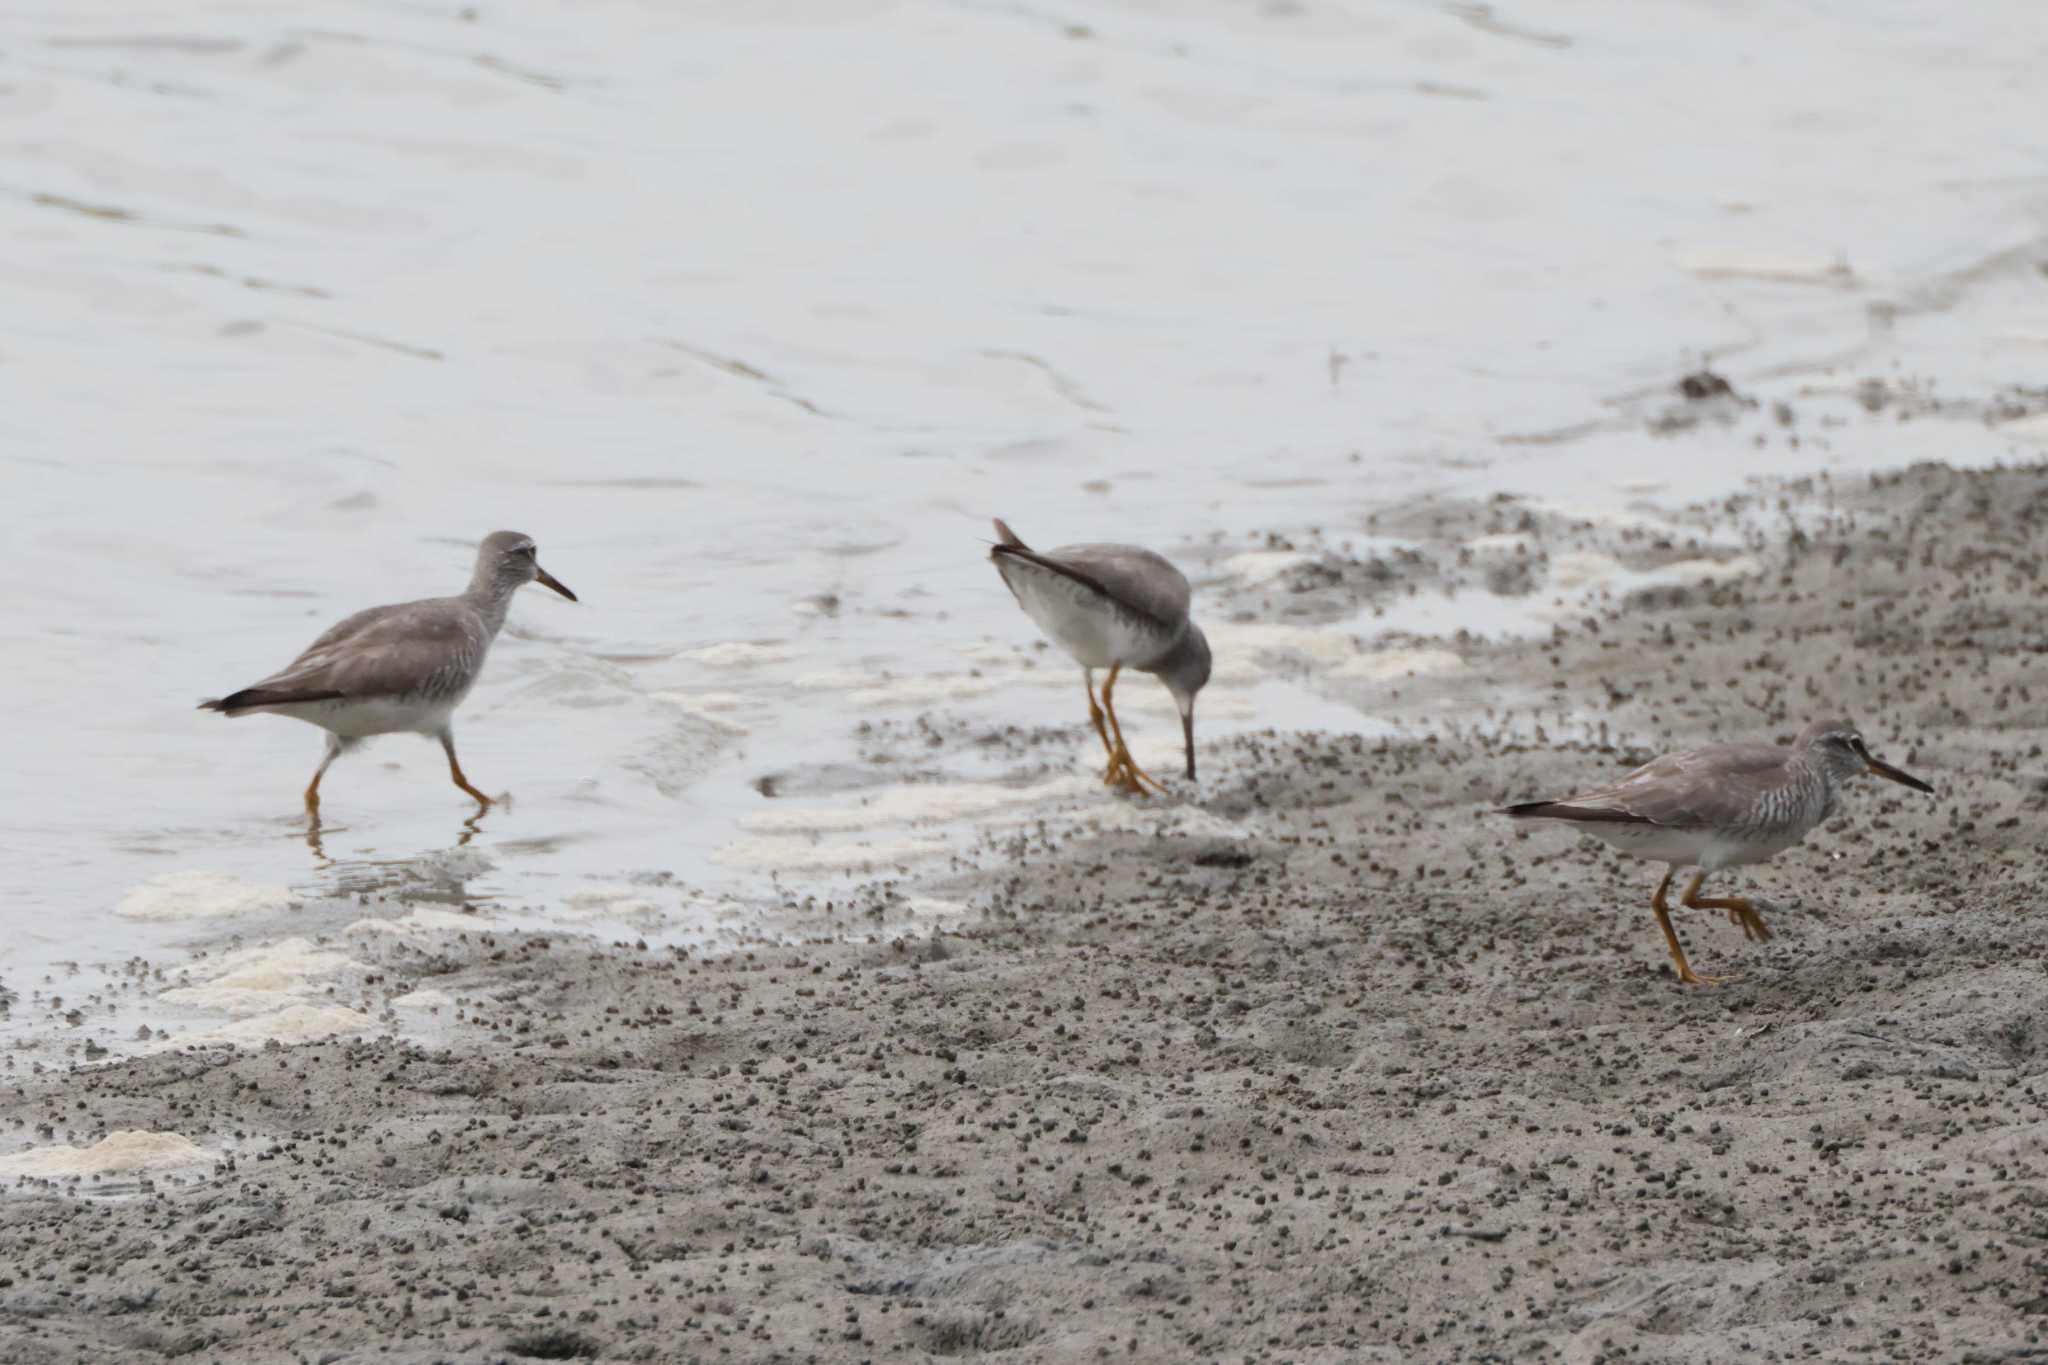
{"points": [[754, 321]]}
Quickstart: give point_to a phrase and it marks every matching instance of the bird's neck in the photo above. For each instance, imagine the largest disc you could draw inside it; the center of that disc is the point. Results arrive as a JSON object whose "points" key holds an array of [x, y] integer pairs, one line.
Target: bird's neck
{"points": [[1186, 666], [492, 598], [1825, 780]]}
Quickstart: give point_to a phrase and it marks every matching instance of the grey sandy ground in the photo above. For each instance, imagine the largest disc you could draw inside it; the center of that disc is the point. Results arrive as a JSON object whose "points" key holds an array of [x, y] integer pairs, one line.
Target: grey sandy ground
{"points": [[1384, 1080]]}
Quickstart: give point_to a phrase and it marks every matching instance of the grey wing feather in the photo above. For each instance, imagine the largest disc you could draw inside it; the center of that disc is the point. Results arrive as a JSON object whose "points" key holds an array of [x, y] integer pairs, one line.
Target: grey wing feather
{"points": [[1140, 582], [386, 652], [1136, 578], [1709, 786]]}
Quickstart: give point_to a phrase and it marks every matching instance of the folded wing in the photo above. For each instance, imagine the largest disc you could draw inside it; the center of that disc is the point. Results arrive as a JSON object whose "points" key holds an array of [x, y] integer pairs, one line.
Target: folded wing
{"points": [[374, 653], [1711, 786]]}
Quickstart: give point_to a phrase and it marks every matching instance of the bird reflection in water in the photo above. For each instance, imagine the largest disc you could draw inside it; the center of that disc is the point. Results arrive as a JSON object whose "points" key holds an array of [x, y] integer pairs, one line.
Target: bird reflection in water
{"points": [[469, 829]]}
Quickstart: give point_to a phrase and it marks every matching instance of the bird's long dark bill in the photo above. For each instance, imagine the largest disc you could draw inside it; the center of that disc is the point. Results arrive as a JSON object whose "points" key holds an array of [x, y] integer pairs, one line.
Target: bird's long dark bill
{"points": [[1187, 728], [546, 579], [1879, 768]]}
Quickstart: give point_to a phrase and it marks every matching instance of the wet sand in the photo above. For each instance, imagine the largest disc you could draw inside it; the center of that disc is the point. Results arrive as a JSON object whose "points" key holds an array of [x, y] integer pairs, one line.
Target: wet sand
{"points": [[1332, 1067]]}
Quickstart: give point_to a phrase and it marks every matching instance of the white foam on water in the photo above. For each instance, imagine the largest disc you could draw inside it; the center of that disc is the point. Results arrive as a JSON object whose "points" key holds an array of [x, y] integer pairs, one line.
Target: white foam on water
{"points": [[1507, 543], [1575, 570], [874, 691], [626, 904], [934, 912], [912, 806], [196, 894], [1686, 571], [292, 1024], [1580, 571], [920, 691], [428, 999], [423, 922], [1258, 643], [2033, 429], [262, 979], [127, 1151]]}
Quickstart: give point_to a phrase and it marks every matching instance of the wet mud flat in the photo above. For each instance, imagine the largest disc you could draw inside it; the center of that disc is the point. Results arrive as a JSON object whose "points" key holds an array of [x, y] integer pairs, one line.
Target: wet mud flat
{"points": [[1341, 1070]]}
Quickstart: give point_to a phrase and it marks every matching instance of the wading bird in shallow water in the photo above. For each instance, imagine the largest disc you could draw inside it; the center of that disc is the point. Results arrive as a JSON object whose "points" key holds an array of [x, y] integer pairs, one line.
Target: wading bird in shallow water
{"points": [[1721, 805], [399, 668], [1113, 607]]}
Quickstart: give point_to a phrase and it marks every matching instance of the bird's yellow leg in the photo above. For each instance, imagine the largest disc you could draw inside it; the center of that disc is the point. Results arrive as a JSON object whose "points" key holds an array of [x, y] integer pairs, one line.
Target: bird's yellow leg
{"points": [[1686, 974], [313, 787], [1123, 769], [1095, 719], [1740, 911], [455, 771]]}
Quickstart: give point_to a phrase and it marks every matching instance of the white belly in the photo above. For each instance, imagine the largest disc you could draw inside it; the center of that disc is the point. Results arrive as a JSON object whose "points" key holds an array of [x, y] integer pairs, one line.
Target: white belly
{"points": [[374, 716], [1087, 625], [1680, 846], [1709, 850], [1728, 852]]}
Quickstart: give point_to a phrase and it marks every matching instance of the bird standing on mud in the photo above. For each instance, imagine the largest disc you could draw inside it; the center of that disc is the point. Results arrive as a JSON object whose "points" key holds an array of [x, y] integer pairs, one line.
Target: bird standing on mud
{"points": [[1718, 806], [1113, 607], [399, 668]]}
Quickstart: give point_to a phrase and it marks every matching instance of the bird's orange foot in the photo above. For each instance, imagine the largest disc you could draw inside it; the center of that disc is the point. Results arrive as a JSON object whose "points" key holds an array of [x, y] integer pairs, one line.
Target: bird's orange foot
{"points": [[1689, 977], [1125, 774]]}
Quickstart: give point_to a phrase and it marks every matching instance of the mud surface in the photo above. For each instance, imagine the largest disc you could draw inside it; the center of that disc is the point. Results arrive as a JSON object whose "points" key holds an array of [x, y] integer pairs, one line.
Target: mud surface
{"points": [[1333, 1067]]}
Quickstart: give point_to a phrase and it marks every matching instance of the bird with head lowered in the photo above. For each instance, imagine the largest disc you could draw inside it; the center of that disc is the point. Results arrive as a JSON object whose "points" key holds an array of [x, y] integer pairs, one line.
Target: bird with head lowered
{"points": [[1113, 607]]}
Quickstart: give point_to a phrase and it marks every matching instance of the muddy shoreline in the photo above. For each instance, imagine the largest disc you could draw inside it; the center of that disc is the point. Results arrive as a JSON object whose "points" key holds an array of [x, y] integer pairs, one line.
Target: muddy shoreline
{"points": [[1331, 1067]]}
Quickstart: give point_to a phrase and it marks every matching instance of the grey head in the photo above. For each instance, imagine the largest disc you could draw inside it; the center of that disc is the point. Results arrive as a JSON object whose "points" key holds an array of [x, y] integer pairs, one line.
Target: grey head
{"points": [[1836, 747], [1185, 671], [506, 562]]}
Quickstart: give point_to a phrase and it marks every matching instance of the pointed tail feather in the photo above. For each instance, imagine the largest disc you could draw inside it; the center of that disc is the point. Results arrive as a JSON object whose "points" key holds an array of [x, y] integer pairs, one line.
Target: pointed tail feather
{"points": [[1564, 810], [1525, 810], [250, 698], [1006, 538]]}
